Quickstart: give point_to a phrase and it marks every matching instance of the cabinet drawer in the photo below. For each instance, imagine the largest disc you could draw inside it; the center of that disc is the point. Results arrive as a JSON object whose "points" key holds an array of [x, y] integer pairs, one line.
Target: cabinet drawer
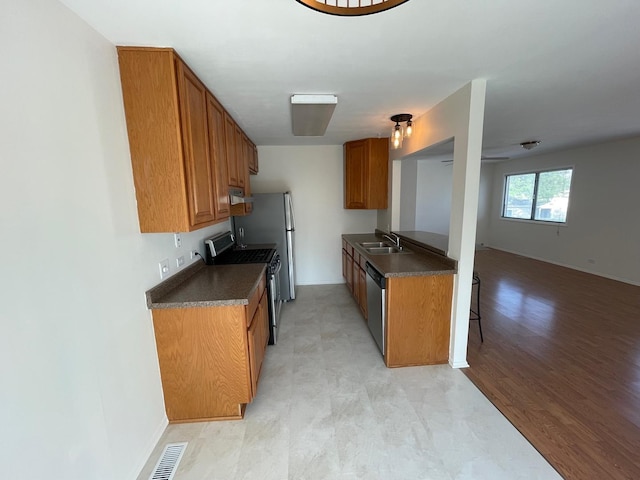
{"points": [[254, 300], [349, 249]]}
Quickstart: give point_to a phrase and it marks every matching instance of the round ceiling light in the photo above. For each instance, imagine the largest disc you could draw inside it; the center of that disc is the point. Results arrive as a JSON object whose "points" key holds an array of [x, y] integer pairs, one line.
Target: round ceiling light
{"points": [[351, 8]]}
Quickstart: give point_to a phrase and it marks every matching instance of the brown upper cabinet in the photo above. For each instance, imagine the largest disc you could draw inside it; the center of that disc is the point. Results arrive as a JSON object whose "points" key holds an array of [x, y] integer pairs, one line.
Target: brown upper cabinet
{"points": [[218, 150], [253, 159], [232, 159], [245, 149], [240, 156], [366, 173], [178, 141]]}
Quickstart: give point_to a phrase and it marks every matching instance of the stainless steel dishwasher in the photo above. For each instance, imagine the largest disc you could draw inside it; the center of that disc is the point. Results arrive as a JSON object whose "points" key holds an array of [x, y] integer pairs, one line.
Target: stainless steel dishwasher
{"points": [[376, 302]]}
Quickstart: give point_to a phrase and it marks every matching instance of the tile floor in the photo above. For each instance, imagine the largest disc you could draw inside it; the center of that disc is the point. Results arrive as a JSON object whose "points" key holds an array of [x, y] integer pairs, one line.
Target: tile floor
{"points": [[328, 408]]}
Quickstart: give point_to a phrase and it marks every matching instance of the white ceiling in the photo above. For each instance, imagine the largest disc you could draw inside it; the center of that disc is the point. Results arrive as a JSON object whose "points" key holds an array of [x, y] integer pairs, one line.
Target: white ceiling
{"points": [[565, 72]]}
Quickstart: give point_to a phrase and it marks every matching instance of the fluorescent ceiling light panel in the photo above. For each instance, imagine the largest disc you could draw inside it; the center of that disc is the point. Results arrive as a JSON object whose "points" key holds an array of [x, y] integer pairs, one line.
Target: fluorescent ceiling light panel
{"points": [[310, 114]]}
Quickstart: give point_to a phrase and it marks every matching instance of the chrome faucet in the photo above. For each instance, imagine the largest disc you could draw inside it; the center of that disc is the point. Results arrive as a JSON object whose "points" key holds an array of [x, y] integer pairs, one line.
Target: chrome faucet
{"points": [[393, 237]]}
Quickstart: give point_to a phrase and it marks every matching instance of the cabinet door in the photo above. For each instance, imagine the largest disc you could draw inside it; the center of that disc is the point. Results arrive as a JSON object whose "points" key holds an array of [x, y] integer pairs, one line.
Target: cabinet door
{"points": [[230, 142], [253, 159], [258, 336], [350, 272], [355, 171], [363, 292], [218, 151], [203, 360], [247, 154], [344, 264], [193, 109], [240, 156], [356, 277]]}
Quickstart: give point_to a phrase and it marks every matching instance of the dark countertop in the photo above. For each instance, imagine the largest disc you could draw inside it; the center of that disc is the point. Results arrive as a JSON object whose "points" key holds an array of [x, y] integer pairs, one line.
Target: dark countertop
{"points": [[201, 285], [417, 261]]}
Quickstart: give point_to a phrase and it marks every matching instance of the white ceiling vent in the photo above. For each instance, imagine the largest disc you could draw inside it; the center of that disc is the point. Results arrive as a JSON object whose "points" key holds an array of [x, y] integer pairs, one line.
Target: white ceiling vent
{"points": [[169, 461]]}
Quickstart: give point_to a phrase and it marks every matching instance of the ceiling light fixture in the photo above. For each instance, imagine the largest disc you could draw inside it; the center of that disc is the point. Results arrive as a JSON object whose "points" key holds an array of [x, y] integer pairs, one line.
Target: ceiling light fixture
{"points": [[530, 145], [398, 132], [350, 8], [310, 114]]}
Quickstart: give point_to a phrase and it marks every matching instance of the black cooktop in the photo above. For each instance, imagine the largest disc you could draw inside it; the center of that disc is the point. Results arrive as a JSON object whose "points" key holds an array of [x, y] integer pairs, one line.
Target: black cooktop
{"points": [[258, 255]]}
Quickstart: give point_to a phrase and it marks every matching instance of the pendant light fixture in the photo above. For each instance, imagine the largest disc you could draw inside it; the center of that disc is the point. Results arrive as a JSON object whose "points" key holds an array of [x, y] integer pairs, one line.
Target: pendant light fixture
{"points": [[349, 8], [398, 132]]}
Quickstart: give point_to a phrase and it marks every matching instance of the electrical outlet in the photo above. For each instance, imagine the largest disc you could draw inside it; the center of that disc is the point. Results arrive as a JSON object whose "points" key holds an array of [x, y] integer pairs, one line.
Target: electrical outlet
{"points": [[177, 238], [164, 268], [194, 254], [180, 261]]}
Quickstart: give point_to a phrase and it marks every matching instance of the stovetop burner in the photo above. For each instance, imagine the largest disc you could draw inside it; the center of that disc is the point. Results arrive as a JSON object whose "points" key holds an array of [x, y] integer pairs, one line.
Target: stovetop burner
{"points": [[258, 255]]}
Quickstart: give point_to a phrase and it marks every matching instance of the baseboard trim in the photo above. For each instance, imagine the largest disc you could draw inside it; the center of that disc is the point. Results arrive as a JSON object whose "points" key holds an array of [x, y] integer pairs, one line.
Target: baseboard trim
{"points": [[566, 265], [151, 445], [458, 364]]}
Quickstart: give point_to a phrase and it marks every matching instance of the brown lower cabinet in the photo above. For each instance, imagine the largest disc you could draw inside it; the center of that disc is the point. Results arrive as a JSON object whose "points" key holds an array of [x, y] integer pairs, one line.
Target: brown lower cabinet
{"points": [[418, 312], [418, 320], [353, 271], [211, 357]]}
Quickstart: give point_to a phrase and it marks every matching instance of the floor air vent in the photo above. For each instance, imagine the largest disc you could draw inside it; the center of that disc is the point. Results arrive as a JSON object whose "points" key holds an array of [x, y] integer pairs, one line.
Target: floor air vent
{"points": [[169, 461]]}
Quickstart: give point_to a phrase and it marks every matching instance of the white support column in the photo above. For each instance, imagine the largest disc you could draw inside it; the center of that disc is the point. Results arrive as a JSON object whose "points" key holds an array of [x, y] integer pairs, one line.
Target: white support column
{"points": [[463, 221], [459, 117]]}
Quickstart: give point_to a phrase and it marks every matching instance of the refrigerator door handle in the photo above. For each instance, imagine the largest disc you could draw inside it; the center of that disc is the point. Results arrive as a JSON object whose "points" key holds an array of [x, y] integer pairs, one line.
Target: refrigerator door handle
{"points": [[290, 221], [292, 287]]}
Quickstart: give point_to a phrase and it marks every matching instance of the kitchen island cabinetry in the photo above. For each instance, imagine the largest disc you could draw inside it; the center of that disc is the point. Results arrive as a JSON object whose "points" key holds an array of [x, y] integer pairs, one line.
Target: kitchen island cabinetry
{"points": [[211, 357], [347, 264], [362, 297], [418, 298], [353, 271], [418, 320], [366, 173]]}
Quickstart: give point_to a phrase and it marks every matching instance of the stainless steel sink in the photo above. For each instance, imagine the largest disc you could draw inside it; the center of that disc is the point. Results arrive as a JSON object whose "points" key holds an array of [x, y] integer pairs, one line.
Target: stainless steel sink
{"points": [[385, 250], [374, 244]]}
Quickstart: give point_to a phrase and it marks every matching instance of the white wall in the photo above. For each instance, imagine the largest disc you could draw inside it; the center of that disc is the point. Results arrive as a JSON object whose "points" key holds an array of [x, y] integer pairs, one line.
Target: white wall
{"points": [[485, 199], [81, 395], [408, 195], [433, 197], [602, 222], [314, 175]]}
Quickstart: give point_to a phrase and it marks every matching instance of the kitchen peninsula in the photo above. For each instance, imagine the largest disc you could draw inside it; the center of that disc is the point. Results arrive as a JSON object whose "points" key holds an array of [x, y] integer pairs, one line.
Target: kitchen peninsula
{"points": [[416, 303]]}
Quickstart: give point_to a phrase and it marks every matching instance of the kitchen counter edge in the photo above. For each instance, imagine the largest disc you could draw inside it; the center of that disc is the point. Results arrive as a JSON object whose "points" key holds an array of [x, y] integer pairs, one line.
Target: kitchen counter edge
{"points": [[200, 285], [423, 261]]}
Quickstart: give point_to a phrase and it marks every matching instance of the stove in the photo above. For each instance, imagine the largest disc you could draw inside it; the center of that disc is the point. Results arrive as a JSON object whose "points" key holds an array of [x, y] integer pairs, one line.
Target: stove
{"points": [[257, 255], [220, 250]]}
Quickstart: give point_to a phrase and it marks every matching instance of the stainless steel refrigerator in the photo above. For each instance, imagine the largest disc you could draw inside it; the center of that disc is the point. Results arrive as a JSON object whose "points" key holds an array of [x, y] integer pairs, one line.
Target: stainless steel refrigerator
{"points": [[272, 221]]}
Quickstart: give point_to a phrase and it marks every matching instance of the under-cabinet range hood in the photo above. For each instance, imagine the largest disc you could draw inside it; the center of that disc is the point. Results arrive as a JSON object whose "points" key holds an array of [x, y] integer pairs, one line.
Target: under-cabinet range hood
{"points": [[236, 196]]}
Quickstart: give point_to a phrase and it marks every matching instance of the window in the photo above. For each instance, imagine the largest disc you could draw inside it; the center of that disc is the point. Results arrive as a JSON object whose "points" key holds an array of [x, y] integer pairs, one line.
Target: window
{"points": [[541, 196]]}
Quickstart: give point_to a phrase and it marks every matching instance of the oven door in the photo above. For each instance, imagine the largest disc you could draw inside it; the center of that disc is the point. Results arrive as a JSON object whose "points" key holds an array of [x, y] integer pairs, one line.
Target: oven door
{"points": [[275, 302]]}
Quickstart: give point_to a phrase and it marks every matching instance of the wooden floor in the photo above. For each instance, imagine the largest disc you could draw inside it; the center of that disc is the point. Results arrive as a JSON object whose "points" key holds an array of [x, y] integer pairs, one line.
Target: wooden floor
{"points": [[561, 360]]}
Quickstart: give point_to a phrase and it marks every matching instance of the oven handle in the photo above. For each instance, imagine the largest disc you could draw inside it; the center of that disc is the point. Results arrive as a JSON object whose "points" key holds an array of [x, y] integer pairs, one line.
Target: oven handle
{"points": [[277, 269]]}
